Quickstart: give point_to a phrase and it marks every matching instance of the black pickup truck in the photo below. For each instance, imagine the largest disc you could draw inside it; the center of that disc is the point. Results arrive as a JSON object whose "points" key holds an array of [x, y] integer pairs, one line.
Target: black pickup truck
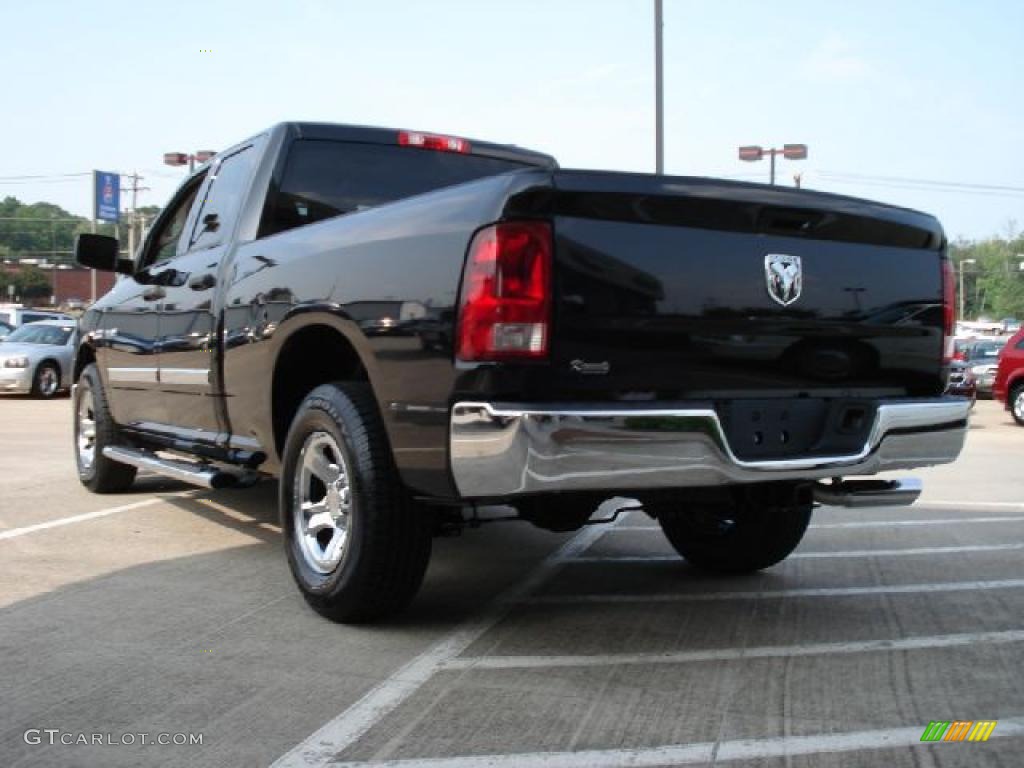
{"points": [[403, 326]]}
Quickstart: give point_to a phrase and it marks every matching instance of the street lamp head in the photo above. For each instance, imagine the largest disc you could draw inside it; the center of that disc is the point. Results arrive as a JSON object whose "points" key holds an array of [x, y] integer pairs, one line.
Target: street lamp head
{"points": [[175, 158], [794, 151], [751, 153]]}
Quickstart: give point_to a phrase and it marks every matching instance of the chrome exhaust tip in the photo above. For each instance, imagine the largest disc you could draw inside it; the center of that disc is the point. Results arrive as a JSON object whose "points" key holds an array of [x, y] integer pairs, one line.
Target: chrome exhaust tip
{"points": [[868, 493]]}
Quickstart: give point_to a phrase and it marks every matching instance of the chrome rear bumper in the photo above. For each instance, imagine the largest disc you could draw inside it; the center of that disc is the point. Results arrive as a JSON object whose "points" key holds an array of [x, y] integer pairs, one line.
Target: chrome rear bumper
{"points": [[502, 450]]}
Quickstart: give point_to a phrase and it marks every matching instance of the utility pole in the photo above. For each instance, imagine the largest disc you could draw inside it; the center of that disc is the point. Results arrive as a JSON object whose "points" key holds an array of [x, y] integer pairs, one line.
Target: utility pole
{"points": [[135, 188], [659, 94], [92, 215], [962, 262]]}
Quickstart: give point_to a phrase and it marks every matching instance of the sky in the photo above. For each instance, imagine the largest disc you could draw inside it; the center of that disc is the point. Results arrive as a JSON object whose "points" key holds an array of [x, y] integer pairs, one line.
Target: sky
{"points": [[885, 94]]}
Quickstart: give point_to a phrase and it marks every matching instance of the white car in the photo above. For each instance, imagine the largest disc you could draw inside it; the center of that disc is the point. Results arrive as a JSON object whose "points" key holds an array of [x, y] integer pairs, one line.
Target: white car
{"points": [[38, 358]]}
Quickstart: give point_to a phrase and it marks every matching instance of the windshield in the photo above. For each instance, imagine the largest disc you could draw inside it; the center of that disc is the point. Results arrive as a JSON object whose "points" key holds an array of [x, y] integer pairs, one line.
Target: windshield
{"points": [[56, 335]]}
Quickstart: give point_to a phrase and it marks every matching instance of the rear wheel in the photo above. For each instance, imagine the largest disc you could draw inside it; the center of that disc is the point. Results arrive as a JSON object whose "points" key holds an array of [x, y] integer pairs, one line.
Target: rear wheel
{"points": [[736, 536], [94, 429], [1017, 403], [357, 544], [46, 382]]}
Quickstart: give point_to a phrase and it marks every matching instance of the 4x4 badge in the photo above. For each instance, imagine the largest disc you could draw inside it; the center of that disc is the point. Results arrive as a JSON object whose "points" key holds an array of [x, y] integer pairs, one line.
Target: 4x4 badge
{"points": [[784, 276]]}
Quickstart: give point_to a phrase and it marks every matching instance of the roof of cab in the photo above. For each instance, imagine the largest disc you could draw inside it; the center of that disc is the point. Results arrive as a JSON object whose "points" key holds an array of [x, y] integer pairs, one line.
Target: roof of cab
{"points": [[378, 135]]}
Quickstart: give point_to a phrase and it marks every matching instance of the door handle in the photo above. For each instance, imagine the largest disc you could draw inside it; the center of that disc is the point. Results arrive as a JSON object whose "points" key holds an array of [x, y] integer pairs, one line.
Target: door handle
{"points": [[155, 293], [202, 282]]}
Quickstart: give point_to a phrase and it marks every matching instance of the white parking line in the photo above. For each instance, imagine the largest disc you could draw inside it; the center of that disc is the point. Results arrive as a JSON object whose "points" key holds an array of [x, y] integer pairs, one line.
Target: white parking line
{"points": [[702, 752], [322, 747], [61, 521], [924, 521], [816, 555], [968, 504], [870, 523], [732, 654], [703, 597]]}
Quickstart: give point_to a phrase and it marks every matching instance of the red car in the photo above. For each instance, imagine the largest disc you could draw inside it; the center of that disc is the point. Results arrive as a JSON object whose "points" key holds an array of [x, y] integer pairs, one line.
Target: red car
{"points": [[1009, 384]]}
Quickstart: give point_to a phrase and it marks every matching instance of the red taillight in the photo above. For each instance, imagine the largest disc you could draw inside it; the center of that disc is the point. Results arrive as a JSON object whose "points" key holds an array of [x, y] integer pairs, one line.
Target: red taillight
{"points": [[433, 141], [948, 311], [505, 305]]}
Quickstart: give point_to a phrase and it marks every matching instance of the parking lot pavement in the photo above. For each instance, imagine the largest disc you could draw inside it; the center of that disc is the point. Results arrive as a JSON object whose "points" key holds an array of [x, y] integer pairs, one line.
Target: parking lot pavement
{"points": [[170, 610]]}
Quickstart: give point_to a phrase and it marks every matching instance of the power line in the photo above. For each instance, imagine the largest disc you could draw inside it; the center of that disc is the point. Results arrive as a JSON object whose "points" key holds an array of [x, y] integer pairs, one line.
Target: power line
{"points": [[46, 176], [921, 188], [922, 182], [39, 181]]}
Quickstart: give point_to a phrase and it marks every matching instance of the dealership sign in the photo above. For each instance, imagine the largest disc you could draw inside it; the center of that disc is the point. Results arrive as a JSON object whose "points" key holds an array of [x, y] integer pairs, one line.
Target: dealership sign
{"points": [[107, 196]]}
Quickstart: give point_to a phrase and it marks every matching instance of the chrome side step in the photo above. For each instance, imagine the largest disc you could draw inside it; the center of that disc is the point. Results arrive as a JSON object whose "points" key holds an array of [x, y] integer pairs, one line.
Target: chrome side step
{"points": [[203, 475], [868, 493]]}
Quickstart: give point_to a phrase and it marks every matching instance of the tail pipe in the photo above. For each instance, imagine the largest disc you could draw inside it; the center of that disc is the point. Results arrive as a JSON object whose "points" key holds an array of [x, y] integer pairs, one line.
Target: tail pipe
{"points": [[868, 493]]}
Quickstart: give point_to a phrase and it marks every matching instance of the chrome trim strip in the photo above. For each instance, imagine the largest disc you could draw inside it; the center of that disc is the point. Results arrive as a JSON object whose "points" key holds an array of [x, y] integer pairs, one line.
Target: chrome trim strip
{"points": [[198, 376], [501, 450], [132, 375]]}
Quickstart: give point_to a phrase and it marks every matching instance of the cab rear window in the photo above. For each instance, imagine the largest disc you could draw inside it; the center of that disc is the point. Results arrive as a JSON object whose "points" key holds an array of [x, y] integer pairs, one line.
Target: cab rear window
{"points": [[322, 179]]}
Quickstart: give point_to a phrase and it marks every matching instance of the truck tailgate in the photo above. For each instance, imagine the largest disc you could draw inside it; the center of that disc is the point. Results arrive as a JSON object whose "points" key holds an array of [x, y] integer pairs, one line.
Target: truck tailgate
{"points": [[673, 288]]}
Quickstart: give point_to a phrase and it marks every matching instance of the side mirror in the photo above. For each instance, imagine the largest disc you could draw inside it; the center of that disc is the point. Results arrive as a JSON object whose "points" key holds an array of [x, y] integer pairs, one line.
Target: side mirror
{"points": [[101, 252], [211, 222]]}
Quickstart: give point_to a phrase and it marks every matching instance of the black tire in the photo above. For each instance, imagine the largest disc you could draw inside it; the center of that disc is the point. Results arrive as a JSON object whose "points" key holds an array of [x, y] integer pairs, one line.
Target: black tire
{"points": [[46, 380], [388, 536], [101, 475], [740, 537], [1016, 403]]}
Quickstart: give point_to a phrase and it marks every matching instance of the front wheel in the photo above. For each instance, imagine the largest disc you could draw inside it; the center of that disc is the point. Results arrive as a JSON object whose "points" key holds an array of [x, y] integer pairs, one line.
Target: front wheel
{"points": [[94, 429], [739, 536], [1017, 404], [46, 382], [357, 544]]}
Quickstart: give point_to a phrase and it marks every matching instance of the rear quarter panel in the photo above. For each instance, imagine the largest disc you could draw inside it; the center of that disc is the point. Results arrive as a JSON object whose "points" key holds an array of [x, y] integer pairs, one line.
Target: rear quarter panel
{"points": [[388, 279]]}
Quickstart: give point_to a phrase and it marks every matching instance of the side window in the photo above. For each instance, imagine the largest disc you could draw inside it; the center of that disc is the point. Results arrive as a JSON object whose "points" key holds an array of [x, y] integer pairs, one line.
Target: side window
{"points": [[163, 243], [223, 199], [1020, 344]]}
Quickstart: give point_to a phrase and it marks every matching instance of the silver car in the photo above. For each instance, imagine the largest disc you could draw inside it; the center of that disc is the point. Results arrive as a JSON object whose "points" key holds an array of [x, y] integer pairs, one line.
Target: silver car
{"points": [[37, 358]]}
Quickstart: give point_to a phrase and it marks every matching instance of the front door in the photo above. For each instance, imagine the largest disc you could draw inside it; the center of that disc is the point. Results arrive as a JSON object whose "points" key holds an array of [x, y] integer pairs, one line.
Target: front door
{"points": [[126, 351], [189, 334], [127, 334]]}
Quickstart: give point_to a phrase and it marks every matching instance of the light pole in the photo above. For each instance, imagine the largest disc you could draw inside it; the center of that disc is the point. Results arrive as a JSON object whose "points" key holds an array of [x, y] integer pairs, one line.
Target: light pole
{"points": [[659, 97], [753, 153], [182, 158], [962, 262]]}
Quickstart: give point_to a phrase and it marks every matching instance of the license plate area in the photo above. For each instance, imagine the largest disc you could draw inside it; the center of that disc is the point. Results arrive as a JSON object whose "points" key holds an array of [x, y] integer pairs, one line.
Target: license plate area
{"points": [[796, 428]]}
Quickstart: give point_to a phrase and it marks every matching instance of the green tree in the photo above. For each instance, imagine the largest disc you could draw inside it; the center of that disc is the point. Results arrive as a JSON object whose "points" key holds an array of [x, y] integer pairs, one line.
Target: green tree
{"points": [[32, 283]]}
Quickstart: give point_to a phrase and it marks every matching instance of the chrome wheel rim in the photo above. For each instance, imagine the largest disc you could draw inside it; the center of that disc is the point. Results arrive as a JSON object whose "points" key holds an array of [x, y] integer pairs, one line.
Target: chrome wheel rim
{"points": [[322, 503], [48, 381], [1018, 405], [86, 431]]}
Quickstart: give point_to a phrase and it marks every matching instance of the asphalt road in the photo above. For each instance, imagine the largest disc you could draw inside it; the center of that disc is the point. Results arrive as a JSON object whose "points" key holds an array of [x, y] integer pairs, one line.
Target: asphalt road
{"points": [[171, 611]]}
